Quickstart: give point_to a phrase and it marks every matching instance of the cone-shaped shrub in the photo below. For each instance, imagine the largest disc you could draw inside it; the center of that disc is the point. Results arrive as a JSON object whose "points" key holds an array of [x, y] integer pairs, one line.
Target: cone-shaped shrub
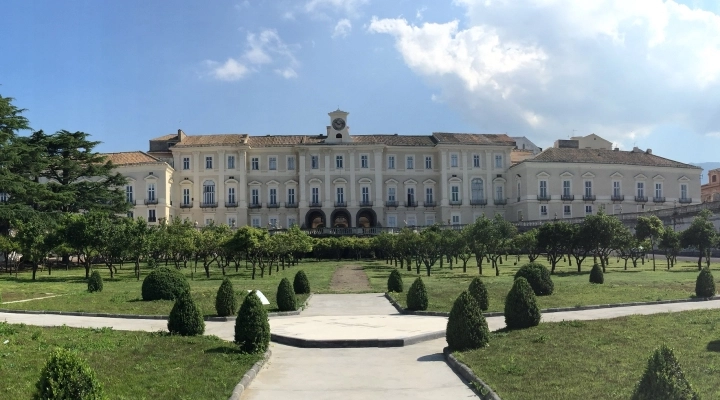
{"points": [[185, 317], [705, 284], [538, 277], [417, 299], [663, 379], [466, 327], [479, 292], [95, 282], [521, 310], [301, 284], [226, 301], [252, 329], [286, 296], [164, 284], [395, 282], [67, 376], [596, 275]]}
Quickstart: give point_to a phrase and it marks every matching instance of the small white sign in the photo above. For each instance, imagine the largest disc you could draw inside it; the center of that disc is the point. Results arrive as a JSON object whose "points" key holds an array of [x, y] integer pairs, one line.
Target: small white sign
{"points": [[261, 296]]}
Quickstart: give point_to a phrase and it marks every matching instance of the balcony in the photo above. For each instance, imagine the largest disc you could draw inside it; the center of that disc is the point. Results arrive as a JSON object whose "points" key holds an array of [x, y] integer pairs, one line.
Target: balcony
{"points": [[543, 197], [131, 201], [186, 205], [617, 197], [641, 199], [366, 203], [429, 204], [685, 200], [411, 204], [208, 205], [316, 204], [274, 204], [567, 197], [151, 201], [500, 202], [455, 202], [478, 202], [589, 197], [152, 219], [231, 204], [658, 199], [255, 205], [340, 204], [391, 203], [291, 205]]}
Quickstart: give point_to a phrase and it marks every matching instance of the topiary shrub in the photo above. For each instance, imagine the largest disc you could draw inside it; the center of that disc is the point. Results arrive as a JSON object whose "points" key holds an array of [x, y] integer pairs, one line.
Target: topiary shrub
{"points": [[286, 296], [301, 284], [185, 317], [664, 379], [67, 376], [479, 292], [395, 282], [252, 329], [226, 301], [466, 327], [521, 310], [417, 299], [538, 277], [705, 284], [597, 275], [95, 282], [164, 284]]}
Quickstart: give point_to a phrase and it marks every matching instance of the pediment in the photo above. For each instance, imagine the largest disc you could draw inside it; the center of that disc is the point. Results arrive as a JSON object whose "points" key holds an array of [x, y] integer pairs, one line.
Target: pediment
{"points": [[499, 180], [391, 182], [617, 175], [315, 180], [186, 181], [588, 175], [566, 174], [543, 174], [231, 181], [255, 183], [291, 182], [640, 177], [129, 179], [364, 180], [658, 178], [455, 179], [150, 178], [410, 182], [429, 182], [273, 182], [684, 179], [339, 180]]}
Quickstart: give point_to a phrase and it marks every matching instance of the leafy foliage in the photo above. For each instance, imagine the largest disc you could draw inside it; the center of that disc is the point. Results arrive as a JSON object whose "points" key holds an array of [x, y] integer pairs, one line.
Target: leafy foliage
{"points": [[95, 282], [226, 301], [664, 379], [285, 297], [699, 235], [705, 284], [417, 298], [185, 317], [538, 277], [67, 376], [466, 327], [479, 292], [301, 284], [395, 282], [596, 274], [252, 328], [521, 309], [164, 284]]}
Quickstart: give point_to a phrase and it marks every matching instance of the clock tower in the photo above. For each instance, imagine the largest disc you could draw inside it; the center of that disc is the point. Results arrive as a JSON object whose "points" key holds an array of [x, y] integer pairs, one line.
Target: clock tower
{"points": [[338, 131]]}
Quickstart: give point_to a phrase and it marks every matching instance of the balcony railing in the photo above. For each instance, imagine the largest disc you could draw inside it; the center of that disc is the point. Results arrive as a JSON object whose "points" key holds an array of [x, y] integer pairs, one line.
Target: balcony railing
{"points": [[542, 197], [391, 203], [658, 199], [152, 219], [455, 202], [151, 201], [255, 205], [429, 204], [500, 202], [131, 201], [186, 205], [641, 199], [366, 203], [340, 204], [231, 204], [617, 197], [291, 205], [273, 205], [686, 200], [316, 204], [208, 205], [478, 202], [567, 197], [411, 204], [589, 197]]}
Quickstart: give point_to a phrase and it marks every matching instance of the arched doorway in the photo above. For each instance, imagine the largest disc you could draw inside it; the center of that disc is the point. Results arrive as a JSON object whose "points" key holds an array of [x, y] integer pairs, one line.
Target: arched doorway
{"points": [[366, 218], [340, 219], [315, 219]]}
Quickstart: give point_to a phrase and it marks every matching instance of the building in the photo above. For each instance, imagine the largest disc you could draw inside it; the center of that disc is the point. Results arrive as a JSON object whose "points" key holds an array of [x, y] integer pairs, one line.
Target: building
{"points": [[711, 190]]}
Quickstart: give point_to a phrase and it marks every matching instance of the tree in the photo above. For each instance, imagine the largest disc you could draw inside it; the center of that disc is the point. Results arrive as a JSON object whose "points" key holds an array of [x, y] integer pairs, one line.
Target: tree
{"points": [[554, 240], [670, 244], [527, 243], [430, 248], [579, 247], [31, 239], [479, 236], [602, 229], [700, 235], [501, 235], [649, 228], [249, 241], [663, 379]]}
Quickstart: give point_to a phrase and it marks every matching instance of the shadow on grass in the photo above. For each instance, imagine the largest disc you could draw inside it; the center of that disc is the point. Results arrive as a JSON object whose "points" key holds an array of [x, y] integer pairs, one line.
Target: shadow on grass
{"points": [[714, 346], [224, 350], [432, 357], [44, 279]]}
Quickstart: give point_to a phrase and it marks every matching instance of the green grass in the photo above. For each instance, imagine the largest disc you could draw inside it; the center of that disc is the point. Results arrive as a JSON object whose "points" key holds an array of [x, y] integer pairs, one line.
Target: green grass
{"points": [[601, 359], [571, 288], [130, 365], [122, 295]]}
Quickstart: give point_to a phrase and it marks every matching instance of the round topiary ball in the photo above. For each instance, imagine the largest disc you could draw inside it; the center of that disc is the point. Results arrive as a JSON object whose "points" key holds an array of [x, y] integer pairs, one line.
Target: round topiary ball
{"points": [[597, 275], [67, 376], [286, 296], [664, 379], [466, 327], [185, 317], [538, 277], [95, 282], [521, 310], [226, 301], [395, 282], [301, 284], [164, 284], [252, 328], [479, 292], [417, 298], [705, 284]]}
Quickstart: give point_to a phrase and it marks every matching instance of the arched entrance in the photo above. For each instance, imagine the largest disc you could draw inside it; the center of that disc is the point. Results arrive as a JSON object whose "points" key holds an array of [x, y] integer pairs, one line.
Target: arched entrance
{"points": [[315, 219], [340, 219], [366, 218]]}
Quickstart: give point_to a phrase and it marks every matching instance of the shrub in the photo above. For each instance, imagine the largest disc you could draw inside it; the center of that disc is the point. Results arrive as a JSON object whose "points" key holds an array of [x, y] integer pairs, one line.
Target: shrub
{"points": [[466, 327], [252, 329], [301, 284], [67, 376], [663, 379], [538, 277], [705, 284], [521, 310], [185, 317], [164, 284], [95, 282], [395, 282], [226, 302], [286, 296], [417, 299], [596, 275], [478, 291]]}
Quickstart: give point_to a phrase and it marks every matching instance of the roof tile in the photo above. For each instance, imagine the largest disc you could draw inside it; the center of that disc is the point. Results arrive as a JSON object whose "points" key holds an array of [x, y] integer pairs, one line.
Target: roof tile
{"points": [[131, 158], [598, 156]]}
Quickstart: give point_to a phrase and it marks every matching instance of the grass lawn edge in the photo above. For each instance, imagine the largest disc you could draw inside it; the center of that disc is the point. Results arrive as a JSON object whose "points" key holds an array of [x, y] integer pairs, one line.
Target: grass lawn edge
{"points": [[249, 376], [482, 389]]}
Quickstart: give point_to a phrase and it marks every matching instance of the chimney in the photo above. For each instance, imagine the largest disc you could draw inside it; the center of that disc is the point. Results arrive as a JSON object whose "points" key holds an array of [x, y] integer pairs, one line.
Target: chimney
{"points": [[617, 149], [180, 135], [648, 151], [636, 149]]}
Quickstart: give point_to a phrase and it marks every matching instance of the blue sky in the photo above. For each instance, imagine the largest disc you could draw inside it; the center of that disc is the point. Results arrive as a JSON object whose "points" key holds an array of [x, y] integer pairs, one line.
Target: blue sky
{"points": [[643, 73]]}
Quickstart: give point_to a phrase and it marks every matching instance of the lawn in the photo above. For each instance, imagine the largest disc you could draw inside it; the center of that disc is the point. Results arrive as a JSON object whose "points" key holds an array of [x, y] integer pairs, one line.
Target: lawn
{"points": [[123, 295], [571, 288], [130, 365], [601, 359]]}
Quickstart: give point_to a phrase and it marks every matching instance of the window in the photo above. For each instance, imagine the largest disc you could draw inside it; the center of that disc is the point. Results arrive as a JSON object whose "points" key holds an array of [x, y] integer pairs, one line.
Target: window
{"points": [[392, 221], [209, 221], [128, 195], [499, 193], [231, 195], [453, 160], [340, 195], [291, 163], [391, 194], [566, 188], [391, 162], [209, 192], [428, 162], [411, 195], [314, 162], [186, 163], [476, 189], [429, 195], [567, 210], [231, 162], [588, 209], [365, 193], [683, 191], [152, 216], [429, 220], [291, 222], [616, 188], [476, 160], [498, 161], [255, 196], [455, 193], [315, 195], [339, 162], [151, 191], [130, 214], [543, 189], [456, 219], [208, 162], [658, 189], [588, 188], [364, 163], [641, 189], [272, 163], [255, 222], [186, 196], [255, 163], [273, 222], [291, 195], [410, 162], [273, 196], [232, 221], [543, 210]]}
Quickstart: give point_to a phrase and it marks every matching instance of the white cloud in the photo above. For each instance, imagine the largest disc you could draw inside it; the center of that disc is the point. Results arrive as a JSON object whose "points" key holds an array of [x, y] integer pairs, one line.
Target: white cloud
{"points": [[342, 28], [614, 67], [349, 8], [287, 73], [230, 70], [419, 13]]}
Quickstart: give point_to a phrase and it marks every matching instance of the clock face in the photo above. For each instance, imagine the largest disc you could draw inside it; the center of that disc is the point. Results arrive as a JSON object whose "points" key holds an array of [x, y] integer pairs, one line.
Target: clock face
{"points": [[338, 124]]}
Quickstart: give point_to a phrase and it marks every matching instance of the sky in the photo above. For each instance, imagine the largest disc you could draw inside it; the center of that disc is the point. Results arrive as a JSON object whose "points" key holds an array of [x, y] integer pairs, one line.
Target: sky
{"points": [[640, 73]]}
